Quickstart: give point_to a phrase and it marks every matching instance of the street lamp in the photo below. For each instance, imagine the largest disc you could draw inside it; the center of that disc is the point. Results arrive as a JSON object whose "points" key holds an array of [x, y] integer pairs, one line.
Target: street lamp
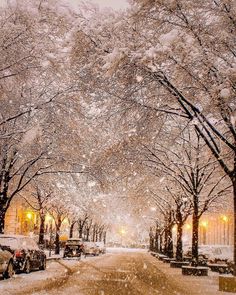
{"points": [[188, 226], [29, 215], [225, 220]]}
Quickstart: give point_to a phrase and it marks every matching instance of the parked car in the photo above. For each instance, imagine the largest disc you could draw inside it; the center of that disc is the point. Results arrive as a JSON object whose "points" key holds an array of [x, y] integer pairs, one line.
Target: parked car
{"points": [[90, 248], [73, 248], [6, 264], [101, 247], [25, 251]]}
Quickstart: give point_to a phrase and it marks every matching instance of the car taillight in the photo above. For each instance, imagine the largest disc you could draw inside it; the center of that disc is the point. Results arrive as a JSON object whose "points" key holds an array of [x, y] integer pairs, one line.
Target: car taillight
{"points": [[19, 253]]}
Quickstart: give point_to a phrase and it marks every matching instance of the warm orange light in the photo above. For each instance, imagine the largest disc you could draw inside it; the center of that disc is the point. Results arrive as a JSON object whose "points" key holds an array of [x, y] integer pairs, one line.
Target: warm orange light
{"points": [[48, 218], [225, 218], [122, 231], [174, 228], [204, 223], [29, 215], [188, 226], [66, 221]]}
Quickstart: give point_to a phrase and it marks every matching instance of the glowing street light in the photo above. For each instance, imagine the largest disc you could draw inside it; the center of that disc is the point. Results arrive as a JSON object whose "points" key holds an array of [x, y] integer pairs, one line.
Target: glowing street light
{"points": [[48, 218], [29, 215], [225, 220], [188, 226], [174, 228], [122, 231], [204, 224]]}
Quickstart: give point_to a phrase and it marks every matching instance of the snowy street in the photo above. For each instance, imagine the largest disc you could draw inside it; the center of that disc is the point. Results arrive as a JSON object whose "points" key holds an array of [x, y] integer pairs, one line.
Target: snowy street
{"points": [[117, 272], [117, 144]]}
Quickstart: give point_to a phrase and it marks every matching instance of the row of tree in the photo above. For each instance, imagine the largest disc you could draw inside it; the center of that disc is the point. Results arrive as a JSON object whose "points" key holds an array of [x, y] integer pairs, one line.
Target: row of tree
{"points": [[173, 61], [80, 223], [37, 93], [145, 75]]}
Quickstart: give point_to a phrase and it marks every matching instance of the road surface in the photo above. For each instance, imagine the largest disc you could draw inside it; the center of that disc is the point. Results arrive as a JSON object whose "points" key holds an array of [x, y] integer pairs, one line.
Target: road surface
{"points": [[131, 273], [116, 273]]}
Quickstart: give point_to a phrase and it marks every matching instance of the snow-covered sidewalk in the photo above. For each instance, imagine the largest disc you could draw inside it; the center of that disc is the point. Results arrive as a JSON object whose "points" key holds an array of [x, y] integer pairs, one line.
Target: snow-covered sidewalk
{"points": [[55, 273], [52, 256], [208, 285]]}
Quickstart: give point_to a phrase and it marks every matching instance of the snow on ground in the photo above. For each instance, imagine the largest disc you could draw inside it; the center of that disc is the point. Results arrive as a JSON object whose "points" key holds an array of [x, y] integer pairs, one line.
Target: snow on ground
{"points": [[121, 249], [21, 281], [62, 275], [56, 271], [206, 285], [52, 255]]}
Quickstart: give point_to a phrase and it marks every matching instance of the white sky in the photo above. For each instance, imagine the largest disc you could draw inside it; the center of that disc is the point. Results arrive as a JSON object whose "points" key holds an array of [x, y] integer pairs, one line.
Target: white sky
{"points": [[116, 4]]}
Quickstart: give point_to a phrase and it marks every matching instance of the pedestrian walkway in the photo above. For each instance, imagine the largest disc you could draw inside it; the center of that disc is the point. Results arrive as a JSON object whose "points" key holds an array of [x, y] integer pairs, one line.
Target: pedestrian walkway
{"points": [[208, 285]]}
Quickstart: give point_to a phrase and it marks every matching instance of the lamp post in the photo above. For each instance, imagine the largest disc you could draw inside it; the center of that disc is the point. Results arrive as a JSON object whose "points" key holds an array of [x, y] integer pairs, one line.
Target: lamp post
{"points": [[225, 220]]}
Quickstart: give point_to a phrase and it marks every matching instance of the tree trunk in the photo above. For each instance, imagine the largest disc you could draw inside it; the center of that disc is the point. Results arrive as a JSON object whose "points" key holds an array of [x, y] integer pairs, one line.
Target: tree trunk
{"points": [[165, 241], [168, 242], [2, 220], [94, 233], [179, 246], [57, 239], [170, 252], [234, 218], [100, 236], [151, 242], [104, 237], [157, 234], [41, 229], [87, 234], [71, 230], [80, 229], [195, 239], [161, 243]]}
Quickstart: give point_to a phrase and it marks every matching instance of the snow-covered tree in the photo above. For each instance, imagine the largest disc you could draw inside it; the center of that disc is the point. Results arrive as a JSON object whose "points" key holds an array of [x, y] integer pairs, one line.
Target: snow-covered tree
{"points": [[166, 57]]}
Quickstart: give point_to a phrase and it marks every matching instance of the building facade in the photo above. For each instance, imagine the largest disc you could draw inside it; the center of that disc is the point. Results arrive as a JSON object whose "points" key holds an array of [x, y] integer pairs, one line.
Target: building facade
{"points": [[20, 218], [214, 229]]}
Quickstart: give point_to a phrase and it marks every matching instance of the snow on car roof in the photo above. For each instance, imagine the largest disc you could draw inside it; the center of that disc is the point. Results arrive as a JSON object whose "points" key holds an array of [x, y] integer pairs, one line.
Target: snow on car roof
{"points": [[13, 236], [18, 242]]}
